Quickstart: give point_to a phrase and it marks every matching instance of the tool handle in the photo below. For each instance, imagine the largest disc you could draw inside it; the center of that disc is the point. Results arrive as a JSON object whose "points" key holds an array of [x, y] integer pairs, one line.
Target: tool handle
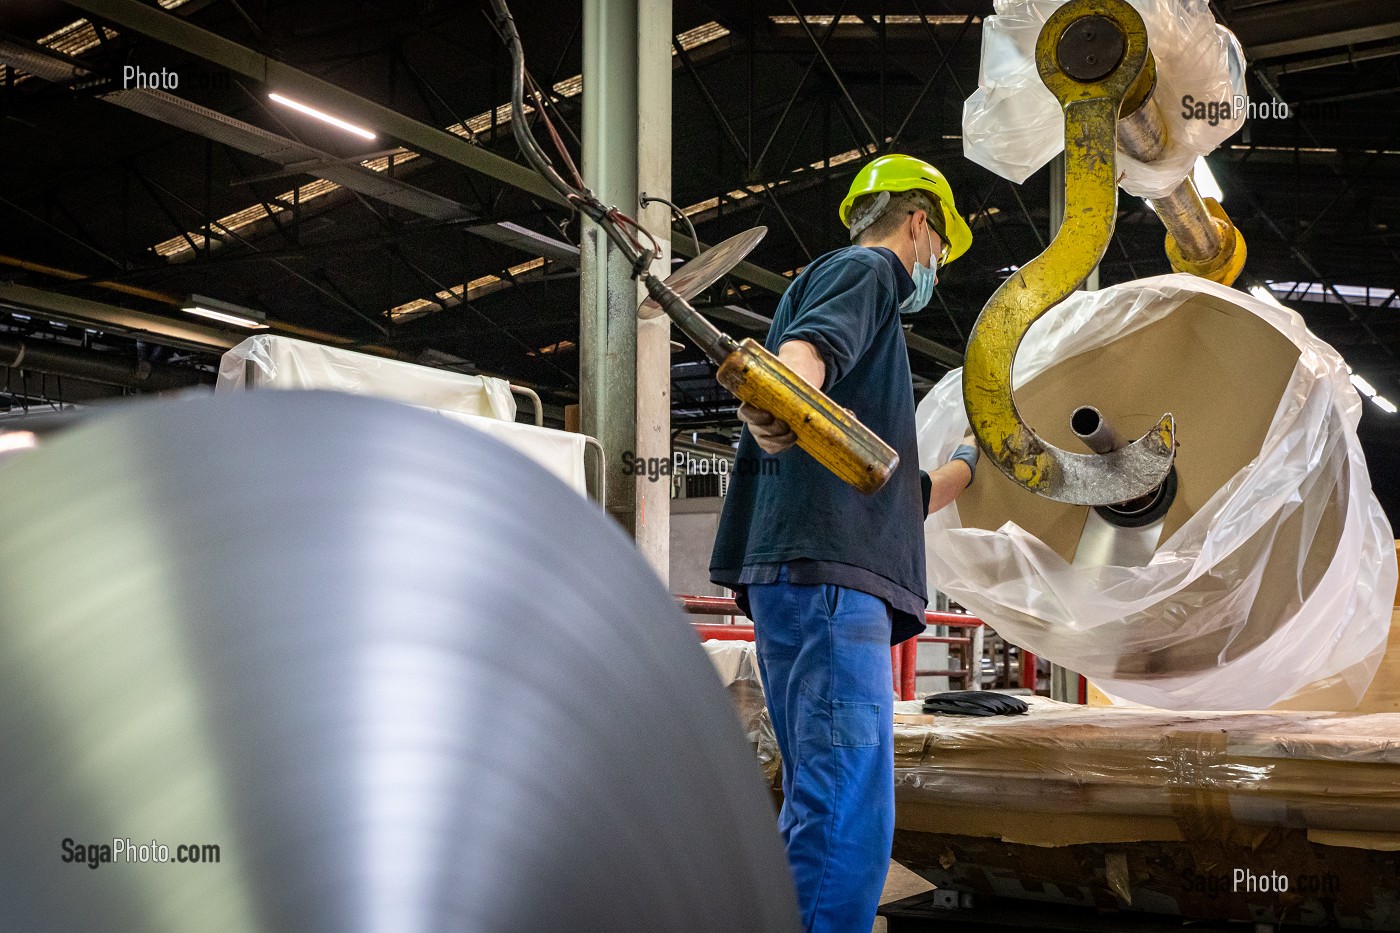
{"points": [[832, 435]]}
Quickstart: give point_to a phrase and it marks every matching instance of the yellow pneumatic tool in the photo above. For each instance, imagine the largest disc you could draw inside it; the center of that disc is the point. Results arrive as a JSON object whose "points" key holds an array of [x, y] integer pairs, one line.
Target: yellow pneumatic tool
{"points": [[832, 435]]}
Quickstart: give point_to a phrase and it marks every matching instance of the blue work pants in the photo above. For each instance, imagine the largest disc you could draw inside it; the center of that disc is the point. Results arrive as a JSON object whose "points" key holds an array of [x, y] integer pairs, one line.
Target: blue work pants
{"points": [[824, 656]]}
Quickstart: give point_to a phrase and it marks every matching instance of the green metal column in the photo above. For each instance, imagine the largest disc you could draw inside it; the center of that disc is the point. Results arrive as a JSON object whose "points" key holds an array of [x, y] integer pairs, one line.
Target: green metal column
{"points": [[625, 382], [608, 313]]}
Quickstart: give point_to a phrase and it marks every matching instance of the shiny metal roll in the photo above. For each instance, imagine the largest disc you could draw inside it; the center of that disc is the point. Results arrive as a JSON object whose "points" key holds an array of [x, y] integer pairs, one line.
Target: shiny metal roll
{"points": [[402, 679]]}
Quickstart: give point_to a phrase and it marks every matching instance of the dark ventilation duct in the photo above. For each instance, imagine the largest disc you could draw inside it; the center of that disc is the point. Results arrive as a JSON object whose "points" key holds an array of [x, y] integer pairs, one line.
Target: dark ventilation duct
{"points": [[93, 366]]}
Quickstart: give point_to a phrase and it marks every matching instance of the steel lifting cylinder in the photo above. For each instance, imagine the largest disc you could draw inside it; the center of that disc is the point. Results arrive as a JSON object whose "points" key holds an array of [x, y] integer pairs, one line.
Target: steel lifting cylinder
{"points": [[1201, 239]]}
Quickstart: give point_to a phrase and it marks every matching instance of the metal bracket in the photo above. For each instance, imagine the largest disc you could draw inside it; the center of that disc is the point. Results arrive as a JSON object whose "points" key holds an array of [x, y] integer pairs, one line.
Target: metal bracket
{"points": [[1105, 43]]}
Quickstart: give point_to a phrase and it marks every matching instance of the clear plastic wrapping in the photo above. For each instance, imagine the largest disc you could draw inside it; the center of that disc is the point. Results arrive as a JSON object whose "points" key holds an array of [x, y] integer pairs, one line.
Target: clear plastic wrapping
{"points": [[1012, 124], [1281, 578], [736, 663], [1179, 771], [1127, 773]]}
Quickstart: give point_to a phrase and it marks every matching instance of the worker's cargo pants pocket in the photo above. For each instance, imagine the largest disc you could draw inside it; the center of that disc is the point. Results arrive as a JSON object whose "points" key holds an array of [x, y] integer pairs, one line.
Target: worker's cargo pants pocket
{"points": [[839, 723], [855, 725]]}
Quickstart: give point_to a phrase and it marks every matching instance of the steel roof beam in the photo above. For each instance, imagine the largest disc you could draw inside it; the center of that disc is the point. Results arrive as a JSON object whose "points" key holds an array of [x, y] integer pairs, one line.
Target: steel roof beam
{"points": [[295, 157], [1297, 27], [173, 31], [176, 32], [83, 312]]}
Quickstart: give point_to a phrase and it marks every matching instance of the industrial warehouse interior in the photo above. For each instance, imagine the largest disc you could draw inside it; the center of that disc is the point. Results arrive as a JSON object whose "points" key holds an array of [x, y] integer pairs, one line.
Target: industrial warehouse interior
{"points": [[712, 465]]}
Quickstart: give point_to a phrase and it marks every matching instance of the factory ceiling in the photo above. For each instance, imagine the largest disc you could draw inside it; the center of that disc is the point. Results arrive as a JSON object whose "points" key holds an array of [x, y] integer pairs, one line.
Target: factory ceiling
{"points": [[119, 202]]}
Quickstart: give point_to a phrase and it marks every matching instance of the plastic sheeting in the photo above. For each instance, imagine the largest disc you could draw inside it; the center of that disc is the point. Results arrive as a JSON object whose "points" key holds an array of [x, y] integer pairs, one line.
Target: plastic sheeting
{"points": [[1258, 529], [1145, 774], [1013, 125], [1124, 773], [736, 663], [481, 402], [284, 363]]}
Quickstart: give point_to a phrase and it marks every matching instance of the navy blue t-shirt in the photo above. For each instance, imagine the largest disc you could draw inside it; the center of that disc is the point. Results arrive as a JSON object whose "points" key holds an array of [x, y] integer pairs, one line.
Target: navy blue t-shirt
{"points": [[789, 509]]}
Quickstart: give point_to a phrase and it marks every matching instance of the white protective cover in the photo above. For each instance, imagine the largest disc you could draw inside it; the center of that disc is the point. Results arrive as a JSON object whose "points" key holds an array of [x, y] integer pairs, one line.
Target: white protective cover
{"points": [[1203, 579], [1013, 125], [482, 402], [559, 452], [284, 363]]}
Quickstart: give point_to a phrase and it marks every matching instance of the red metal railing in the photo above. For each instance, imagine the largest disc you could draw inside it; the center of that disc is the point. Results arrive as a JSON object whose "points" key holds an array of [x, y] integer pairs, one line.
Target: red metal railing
{"points": [[709, 605], [903, 657]]}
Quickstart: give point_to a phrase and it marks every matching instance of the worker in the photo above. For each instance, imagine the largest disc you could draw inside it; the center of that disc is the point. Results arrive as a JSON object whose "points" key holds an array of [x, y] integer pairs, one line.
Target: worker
{"points": [[832, 577]]}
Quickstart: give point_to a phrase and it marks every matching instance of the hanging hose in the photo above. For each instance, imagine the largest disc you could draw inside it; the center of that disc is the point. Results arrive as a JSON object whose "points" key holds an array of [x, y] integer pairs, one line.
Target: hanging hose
{"points": [[613, 222], [832, 435], [676, 212]]}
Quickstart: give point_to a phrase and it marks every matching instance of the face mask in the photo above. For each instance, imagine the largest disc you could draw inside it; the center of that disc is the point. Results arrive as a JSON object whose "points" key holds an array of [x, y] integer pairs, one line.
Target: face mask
{"points": [[925, 278]]}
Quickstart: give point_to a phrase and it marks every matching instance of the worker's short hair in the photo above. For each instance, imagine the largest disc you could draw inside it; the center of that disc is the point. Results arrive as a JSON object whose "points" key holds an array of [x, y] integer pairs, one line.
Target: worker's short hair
{"points": [[902, 204]]}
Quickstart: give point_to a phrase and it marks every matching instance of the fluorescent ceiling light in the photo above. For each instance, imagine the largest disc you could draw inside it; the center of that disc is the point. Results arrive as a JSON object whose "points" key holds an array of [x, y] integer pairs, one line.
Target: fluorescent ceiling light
{"points": [[226, 318], [226, 313], [322, 116], [1206, 183], [1362, 386], [1384, 404]]}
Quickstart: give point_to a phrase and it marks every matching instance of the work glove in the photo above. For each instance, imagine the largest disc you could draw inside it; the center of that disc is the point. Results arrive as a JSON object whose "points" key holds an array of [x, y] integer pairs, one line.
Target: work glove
{"points": [[974, 703], [967, 453], [773, 436]]}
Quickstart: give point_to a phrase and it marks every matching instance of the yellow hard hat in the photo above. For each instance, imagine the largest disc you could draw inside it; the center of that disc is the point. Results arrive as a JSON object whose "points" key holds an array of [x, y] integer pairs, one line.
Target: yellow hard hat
{"points": [[895, 173]]}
